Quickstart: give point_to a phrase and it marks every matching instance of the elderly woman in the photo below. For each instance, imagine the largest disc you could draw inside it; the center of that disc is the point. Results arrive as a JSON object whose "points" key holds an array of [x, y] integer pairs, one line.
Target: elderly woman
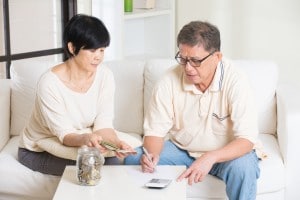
{"points": [[74, 101]]}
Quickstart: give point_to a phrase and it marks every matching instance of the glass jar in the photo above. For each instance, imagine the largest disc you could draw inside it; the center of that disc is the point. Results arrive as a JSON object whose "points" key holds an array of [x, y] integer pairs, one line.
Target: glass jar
{"points": [[89, 163]]}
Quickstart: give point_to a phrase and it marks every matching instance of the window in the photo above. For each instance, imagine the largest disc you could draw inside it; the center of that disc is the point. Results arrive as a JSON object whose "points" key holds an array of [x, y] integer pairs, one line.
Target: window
{"points": [[28, 33]]}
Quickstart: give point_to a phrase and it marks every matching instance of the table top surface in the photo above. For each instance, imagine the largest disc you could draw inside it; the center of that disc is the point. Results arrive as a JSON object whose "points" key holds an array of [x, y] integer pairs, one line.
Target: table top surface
{"points": [[122, 182]]}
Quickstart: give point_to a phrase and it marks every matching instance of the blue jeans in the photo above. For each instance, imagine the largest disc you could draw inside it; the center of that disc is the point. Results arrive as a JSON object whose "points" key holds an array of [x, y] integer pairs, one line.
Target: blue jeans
{"points": [[240, 175]]}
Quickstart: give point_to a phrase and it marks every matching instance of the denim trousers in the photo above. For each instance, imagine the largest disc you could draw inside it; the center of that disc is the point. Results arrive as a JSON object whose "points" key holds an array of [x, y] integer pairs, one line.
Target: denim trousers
{"points": [[240, 175]]}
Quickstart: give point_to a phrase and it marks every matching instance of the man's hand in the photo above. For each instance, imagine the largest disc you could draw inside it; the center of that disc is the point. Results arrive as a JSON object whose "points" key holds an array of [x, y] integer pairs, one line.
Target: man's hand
{"points": [[149, 163], [153, 145], [199, 169]]}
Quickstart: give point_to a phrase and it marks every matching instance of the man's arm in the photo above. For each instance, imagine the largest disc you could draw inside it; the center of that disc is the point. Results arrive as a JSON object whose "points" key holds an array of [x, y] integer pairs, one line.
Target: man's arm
{"points": [[153, 144], [232, 150]]}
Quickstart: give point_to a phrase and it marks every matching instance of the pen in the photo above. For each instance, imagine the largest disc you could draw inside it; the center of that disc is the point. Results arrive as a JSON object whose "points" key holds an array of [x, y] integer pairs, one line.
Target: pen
{"points": [[147, 155]]}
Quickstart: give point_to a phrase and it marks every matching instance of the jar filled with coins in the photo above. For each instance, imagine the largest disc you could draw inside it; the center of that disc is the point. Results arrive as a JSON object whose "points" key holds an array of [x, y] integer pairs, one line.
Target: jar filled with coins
{"points": [[89, 163]]}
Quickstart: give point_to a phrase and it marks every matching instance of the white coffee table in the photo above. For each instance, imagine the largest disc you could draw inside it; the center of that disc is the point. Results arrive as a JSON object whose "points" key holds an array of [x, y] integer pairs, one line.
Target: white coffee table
{"points": [[122, 182]]}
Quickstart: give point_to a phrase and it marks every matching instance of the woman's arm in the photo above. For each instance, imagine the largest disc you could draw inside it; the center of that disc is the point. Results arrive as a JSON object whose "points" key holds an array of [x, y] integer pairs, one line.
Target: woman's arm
{"points": [[77, 140]]}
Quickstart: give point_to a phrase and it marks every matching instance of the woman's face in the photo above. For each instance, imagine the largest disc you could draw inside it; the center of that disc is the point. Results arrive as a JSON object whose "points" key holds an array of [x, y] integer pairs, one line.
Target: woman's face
{"points": [[89, 59]]}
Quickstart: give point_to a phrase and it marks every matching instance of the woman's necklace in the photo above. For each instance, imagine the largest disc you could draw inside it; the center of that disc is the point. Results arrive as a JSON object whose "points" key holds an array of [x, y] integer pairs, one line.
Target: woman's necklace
{"points": [[81, 85], [81, 88]]}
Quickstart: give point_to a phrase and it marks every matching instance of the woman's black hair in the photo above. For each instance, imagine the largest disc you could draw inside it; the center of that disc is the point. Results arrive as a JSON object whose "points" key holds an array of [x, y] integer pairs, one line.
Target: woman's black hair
{"points": [[85, 32]]}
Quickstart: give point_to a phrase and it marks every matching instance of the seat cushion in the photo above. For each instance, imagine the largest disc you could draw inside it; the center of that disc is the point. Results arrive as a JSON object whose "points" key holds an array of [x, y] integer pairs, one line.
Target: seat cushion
{"points": [[20, 182], [271, 179]]}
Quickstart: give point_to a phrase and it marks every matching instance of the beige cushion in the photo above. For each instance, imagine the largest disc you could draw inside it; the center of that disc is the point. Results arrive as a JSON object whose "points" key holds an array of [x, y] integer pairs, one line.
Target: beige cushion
{"points": [[55, 147], [5, 111], [129, 96], [24, 75], [154, 69], [263, 76]]}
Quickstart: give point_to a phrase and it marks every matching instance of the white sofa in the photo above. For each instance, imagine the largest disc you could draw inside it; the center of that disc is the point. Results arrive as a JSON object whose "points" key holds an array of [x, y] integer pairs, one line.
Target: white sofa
{"points": [[279, 115]]}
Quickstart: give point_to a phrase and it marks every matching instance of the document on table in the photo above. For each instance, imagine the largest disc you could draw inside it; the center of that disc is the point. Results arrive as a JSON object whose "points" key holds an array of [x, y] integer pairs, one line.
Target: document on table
{"points": [[161, 171]]}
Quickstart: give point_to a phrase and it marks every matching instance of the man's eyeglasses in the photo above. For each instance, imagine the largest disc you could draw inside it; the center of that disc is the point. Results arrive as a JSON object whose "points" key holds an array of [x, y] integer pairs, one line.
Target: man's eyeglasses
{"points": [[193, 62]]}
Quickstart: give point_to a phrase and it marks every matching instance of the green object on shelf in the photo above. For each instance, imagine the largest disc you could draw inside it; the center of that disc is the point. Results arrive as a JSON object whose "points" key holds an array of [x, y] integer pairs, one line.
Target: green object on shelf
{"points": [[128, 5]]}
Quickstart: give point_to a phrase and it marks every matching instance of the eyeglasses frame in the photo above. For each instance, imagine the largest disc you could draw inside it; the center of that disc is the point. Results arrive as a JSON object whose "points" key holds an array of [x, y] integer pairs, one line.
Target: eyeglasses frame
{"points": [[187, 60]]}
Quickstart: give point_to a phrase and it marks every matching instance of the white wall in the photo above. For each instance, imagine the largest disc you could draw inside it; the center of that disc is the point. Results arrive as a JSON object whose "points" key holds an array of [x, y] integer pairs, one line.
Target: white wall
{"points": [[252, 29], [84, 6], [110, 13]]}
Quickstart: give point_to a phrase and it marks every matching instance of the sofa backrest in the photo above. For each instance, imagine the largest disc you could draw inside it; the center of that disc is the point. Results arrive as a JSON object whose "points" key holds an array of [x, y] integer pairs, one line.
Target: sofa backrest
{"points": [[5, 111], [154, 70], [24, 77], [263, 76], [128, 97], [134, 83]]}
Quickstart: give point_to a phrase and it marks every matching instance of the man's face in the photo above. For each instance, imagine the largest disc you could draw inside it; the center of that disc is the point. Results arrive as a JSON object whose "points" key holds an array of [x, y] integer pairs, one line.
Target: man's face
{"points": [[200, 65]]}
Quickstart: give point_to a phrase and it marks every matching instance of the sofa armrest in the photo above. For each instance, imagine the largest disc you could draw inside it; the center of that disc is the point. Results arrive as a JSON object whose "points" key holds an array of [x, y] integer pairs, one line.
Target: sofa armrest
{"points": [[5, 111], [288, 131]]}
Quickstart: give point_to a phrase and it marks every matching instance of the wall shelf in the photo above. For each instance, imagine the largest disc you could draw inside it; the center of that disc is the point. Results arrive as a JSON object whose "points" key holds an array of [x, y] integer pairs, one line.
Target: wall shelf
{"points": [[143, 33], [141, 13]]}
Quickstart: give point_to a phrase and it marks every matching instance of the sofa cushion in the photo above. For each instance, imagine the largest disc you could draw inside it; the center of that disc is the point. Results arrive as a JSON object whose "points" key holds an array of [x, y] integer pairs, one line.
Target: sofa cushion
{"points": [[263, 76], [24, 76], [129, 106], [54, 146], [23, 183], [259, 72], [5, 111], [129, 87], [154, 69]]}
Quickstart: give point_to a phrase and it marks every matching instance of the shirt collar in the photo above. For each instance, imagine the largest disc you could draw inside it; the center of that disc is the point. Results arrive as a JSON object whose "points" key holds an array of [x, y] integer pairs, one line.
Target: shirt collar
{"points": [[217, 82], [215, 86]]}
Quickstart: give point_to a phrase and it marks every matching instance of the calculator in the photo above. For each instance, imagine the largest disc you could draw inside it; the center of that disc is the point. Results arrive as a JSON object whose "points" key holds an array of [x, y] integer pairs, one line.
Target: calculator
{"points": [[158, 183]]}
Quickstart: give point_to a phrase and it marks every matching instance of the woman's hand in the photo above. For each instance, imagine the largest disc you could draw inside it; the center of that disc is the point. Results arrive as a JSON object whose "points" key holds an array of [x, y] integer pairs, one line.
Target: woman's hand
{"points": [[124, 146], [93, 140], [88, 139]]}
